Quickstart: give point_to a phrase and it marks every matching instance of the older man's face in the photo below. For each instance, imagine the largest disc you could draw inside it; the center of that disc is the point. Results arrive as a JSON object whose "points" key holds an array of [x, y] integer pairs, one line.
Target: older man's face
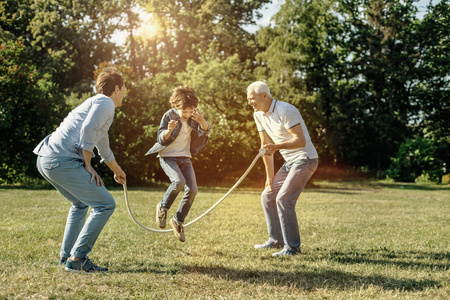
{"points": [[257, 101]]}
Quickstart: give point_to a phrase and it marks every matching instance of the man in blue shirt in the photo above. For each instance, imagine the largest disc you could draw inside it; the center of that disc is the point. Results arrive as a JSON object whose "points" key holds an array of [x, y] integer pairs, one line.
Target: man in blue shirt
{"points": [[281, 127], [64, 160]]}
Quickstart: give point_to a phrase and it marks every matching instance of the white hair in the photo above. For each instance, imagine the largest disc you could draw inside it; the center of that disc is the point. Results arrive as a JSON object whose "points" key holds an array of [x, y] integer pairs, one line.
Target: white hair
{"points": [[259, 87]]}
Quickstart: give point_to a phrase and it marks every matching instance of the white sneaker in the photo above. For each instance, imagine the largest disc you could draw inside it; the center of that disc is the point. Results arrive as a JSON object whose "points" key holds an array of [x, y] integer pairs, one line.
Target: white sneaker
{"points": [[286, 252], [269, 245]]}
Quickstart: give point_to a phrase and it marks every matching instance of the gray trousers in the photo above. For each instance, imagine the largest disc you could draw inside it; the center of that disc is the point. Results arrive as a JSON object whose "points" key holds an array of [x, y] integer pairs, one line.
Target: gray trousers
{"points": [[279, 204]]}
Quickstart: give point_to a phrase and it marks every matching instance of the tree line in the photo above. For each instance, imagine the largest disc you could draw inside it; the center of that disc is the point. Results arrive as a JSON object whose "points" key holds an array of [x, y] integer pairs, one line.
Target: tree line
{"points": [[370, 78]]}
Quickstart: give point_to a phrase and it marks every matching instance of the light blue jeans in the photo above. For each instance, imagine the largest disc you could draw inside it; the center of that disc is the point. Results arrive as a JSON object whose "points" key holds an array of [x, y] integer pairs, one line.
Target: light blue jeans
{"points": [[70, 178], [279, 204], [181, 174]]}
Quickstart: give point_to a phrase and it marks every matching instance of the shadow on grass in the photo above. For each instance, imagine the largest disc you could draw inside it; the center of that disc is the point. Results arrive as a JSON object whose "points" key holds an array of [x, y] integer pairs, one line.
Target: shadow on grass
{"points": [[311, 280], [46, 186], [322, 277], [331, 191], [306, 280], [433, 261], [27, 187], [144, 267], [415, 186]]}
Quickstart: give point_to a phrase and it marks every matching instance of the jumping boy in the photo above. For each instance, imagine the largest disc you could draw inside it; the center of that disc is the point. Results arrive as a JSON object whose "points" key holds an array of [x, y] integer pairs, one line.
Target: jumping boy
{"points": [[183, 132]]}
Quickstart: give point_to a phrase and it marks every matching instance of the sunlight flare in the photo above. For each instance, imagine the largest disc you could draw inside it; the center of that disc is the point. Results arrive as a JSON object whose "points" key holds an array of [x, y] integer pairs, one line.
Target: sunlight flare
{"points": [[149, 29]]}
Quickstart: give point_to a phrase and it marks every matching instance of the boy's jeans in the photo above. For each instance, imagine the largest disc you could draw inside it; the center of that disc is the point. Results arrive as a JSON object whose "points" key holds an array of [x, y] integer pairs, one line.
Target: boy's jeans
{"points": [[279, 204], [70, 178], [181, 174]]}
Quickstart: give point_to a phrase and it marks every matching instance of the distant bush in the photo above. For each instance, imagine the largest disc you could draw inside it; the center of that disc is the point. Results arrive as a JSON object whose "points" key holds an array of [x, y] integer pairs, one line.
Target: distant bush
{"points": [[416, 161], [446, 179]]}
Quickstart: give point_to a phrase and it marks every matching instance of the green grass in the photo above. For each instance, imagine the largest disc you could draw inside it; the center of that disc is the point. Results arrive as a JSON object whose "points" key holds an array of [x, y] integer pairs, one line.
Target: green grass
{"points": [[363, 240]]}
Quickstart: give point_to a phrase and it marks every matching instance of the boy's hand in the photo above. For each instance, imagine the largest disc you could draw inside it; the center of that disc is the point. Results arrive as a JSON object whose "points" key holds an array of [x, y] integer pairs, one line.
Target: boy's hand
{"points": [[172, 124], [197, 116]]}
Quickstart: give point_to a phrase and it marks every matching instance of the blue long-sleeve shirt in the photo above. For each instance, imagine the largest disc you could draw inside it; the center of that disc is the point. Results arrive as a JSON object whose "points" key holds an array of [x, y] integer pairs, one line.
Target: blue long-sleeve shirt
{"points": [[84, 128]]}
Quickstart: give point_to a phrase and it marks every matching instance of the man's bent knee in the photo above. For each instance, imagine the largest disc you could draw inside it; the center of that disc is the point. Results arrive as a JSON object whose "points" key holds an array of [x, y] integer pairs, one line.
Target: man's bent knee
{"points": [[107, 205], [282, 204], [267, 197]]}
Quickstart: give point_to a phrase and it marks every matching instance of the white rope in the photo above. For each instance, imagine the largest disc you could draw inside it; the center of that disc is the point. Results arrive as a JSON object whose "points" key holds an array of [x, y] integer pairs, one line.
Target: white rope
{"points": [[261, 153]]}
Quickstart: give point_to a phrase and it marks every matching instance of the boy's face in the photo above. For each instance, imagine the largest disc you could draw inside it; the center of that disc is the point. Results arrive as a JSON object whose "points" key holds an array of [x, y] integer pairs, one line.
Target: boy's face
{"points": [[186, 113]]}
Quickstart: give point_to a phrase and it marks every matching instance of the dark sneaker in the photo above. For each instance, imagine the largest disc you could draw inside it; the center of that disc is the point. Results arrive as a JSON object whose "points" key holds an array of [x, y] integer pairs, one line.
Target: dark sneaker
{"points": [[286, 252], [84, 265], [178, 229], [269, 245], [62, 261], [161, 215]]}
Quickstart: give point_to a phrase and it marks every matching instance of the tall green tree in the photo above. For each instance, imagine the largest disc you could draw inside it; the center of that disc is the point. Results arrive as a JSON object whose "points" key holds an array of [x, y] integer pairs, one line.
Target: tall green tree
{"points": [[187, 28], [300, 66], [351, 66], [64, 39], [221, 85], [432, 86], [59, 44], [189, 35], [30, 106]]}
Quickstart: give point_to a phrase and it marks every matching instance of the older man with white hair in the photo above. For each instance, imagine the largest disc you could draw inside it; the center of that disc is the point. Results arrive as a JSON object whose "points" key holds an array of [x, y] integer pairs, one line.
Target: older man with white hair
{"points": [[281, 127]]}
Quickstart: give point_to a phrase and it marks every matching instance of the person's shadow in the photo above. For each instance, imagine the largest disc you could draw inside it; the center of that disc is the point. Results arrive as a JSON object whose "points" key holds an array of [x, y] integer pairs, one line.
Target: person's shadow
{"points": [[321, 277], [328, 277], [310, 280], [432, 261]]}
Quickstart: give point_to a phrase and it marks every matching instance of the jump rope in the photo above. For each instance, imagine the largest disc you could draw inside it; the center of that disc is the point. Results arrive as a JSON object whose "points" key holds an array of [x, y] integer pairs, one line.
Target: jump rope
{"points": [[261, 153]]}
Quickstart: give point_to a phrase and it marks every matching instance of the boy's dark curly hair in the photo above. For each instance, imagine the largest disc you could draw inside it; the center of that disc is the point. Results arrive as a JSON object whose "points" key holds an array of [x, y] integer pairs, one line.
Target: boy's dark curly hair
{"points": [[183, 97]]}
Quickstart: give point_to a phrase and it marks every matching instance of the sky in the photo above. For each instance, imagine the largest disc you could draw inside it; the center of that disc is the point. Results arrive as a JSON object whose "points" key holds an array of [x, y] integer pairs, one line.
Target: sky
{"points": [[272, 8], [268, 11]]}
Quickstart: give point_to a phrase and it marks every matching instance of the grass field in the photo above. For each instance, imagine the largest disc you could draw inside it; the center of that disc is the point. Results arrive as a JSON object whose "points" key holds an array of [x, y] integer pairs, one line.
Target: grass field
{"points": [[360, 240]]}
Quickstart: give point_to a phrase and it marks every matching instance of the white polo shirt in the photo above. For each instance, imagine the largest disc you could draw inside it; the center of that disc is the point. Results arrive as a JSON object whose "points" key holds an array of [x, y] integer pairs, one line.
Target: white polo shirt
{"points": [[276, 122]]}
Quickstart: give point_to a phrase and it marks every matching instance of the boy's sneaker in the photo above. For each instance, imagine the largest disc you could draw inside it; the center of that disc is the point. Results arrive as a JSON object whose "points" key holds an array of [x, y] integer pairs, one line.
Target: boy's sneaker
{"points": [[84, 265], [161, 215], [62, 261], [178, 229]]}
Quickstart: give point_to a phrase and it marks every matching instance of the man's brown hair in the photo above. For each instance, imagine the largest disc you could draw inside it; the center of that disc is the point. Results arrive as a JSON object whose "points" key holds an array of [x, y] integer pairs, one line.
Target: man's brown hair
{"points": [[183, 97], [107, 81]]}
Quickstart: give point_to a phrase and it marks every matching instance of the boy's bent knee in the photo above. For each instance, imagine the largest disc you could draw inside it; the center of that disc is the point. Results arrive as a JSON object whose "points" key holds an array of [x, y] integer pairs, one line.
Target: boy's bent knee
{"points": [[192, 191], [178, 185]]}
